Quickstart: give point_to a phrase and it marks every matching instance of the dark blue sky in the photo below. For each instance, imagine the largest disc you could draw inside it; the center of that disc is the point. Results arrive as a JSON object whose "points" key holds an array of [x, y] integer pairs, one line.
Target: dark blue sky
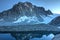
{"points": [[53, 5]]}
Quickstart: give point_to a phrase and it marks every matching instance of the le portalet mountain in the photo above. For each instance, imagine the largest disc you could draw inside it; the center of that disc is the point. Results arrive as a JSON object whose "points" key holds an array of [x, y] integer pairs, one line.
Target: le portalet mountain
{"points": [[26, 9]]}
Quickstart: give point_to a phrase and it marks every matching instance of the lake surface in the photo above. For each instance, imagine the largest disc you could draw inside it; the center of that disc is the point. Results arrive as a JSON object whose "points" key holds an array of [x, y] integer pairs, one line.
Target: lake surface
{"points": [[9, 37]]}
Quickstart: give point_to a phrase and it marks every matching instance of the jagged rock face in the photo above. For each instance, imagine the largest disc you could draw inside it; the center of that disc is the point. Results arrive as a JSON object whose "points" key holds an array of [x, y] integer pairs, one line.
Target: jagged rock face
{"points": [[24, 9], [55, 21]]}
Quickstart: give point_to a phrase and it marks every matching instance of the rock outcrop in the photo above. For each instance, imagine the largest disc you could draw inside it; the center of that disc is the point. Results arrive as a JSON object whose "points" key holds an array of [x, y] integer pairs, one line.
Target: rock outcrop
{"points": [[55, 21]]}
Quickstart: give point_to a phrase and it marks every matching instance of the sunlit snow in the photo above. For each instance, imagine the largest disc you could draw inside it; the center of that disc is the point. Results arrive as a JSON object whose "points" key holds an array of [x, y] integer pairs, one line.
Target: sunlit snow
{"points": [[23, 18]]}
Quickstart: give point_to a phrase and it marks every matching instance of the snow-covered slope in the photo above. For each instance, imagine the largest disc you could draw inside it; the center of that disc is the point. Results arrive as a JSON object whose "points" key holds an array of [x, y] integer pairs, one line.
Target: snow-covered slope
{"points": [[49, 18], [34, 19], [26, 19]]}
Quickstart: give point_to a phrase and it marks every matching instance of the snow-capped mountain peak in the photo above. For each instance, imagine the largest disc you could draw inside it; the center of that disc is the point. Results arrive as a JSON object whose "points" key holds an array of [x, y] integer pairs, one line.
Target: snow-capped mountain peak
{"points": [[25, 12]]}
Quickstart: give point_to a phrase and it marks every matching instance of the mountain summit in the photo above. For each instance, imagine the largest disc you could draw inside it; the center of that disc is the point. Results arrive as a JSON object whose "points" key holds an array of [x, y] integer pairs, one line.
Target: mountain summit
{"points": [[24, 12]]}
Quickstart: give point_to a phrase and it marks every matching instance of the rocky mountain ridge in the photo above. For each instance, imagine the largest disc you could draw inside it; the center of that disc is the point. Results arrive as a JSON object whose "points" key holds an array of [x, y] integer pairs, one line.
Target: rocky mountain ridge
{"points": [[22, 9]]}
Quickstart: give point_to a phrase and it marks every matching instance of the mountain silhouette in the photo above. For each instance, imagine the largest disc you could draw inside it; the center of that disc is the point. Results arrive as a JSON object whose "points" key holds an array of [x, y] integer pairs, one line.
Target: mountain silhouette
{"points": [[24, 9], [55, 21]]}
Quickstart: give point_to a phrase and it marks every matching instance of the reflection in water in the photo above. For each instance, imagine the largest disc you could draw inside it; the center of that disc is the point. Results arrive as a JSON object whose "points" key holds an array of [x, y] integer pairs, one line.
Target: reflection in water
{"points": [[9, 37], [6, 37], [44, 37]]}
